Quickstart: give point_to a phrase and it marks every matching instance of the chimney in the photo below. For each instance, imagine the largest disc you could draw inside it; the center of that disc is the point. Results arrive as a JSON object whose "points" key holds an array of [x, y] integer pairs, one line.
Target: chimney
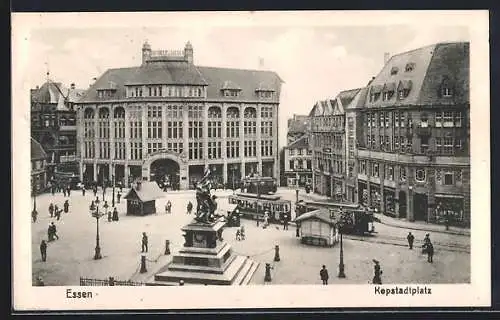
{"points": [[387, 56], [138, 186], [72, 86], [369, 82]]}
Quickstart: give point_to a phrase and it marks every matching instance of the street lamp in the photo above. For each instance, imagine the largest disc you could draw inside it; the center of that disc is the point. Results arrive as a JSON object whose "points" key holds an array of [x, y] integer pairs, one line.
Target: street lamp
{"points": [[94, 211], [341, 262], [113, 199], [233, 169]]}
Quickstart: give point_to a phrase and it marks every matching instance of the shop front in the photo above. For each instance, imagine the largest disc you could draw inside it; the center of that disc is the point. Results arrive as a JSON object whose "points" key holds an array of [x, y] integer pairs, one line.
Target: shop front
{"points": [[375, 197], [449, 209], [389, 202]]}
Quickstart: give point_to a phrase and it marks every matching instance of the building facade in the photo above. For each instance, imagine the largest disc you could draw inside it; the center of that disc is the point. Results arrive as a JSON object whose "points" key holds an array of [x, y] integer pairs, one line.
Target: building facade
{"points": [[38, 167], [53, 124], [328, 145], [297, 127], [298, 163], [413, 157], [168, 118]]}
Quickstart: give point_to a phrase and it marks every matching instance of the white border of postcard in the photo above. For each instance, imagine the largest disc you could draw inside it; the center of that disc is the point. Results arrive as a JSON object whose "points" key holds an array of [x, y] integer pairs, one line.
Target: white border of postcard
{"points": [[477, 293]]}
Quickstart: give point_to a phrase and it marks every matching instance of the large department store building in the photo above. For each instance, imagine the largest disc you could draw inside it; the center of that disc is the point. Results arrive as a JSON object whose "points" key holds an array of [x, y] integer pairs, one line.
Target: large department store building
{"points": [[168, 119]]}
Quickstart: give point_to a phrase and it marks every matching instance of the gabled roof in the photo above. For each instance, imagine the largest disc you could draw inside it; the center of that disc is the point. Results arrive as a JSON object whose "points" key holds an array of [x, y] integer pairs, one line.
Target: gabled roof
{"points": [[167, 73], [298, 124], [347, 96], [430, 66], [56, 93], [37, 152], [358, 100], [300, 143], [321, 214], [148, 191]]}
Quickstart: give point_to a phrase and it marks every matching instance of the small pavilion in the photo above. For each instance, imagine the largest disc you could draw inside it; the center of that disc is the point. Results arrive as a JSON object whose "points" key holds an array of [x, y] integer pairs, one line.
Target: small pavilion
{"points": [[142, 197]]}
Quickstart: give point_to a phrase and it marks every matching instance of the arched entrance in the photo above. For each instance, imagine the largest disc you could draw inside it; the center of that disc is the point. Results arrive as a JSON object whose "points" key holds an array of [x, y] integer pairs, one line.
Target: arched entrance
{"points": [[163, 165], [166, 173]]}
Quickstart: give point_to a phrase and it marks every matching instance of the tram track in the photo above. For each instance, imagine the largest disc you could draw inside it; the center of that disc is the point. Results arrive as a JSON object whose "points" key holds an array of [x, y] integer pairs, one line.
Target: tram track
{"points": [[399, 241]]}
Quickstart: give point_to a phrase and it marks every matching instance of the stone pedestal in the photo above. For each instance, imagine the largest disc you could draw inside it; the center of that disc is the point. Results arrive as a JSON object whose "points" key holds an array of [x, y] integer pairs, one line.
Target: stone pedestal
{"points": [[206, 259]]}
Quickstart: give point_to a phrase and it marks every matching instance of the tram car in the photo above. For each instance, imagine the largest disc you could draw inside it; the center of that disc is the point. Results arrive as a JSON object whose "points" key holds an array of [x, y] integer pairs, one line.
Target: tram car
{"points": [[259, 185], [253, 207], [356, 218]]}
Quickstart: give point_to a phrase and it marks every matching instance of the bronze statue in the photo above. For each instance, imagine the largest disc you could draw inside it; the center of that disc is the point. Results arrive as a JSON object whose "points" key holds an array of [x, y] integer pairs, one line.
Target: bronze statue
{"points": [[206, 204]]}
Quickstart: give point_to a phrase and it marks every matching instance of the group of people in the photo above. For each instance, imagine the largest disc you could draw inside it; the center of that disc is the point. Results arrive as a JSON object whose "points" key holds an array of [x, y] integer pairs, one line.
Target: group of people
{"points": [[54, 210], [427, 247], [168, 207]]}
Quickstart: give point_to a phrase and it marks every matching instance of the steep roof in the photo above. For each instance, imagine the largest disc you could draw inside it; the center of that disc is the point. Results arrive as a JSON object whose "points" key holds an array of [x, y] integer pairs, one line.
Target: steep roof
{"points": [[423, 71], [321, 214], [334, 106], [300, 143], [298, 124], [216, 79], [148, 191], [347, 96], [37, 151], [56, 93]]}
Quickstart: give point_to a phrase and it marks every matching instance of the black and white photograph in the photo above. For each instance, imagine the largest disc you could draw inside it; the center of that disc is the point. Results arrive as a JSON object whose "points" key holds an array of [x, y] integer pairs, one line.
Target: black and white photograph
{"points": [[327, 159]]}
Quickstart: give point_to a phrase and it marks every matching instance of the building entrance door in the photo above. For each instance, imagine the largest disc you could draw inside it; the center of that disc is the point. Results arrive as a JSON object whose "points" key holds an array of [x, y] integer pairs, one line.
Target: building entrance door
{"points": [[166, 173], [420, 207]]}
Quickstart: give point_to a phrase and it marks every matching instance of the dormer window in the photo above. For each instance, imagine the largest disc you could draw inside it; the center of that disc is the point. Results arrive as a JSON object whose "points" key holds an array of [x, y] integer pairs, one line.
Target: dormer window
{"points": [[446, 92], [404, 89], [446, 88], [231, 93], [409, 67], [394, 71], [389, 89], [375, 92], [266, 94]]}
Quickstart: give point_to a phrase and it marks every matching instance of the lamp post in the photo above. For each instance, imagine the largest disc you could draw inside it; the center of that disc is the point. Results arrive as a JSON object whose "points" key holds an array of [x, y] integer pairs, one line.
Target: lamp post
{"points": [[341, 260], [113, 199], [233, 169], [94, 211]]}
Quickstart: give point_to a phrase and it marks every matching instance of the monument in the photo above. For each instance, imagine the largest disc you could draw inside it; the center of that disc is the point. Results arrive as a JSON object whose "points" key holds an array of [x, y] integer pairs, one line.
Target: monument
{"points": [[206, 259]]}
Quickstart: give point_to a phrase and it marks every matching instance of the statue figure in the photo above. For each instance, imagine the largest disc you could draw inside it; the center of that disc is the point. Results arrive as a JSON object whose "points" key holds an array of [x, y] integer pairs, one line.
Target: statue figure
{"points": [[206, 204]]}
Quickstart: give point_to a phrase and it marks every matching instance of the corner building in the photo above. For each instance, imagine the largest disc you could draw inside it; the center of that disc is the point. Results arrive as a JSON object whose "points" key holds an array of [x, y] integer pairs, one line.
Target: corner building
{"points": [[409, 135], [168, 118]]}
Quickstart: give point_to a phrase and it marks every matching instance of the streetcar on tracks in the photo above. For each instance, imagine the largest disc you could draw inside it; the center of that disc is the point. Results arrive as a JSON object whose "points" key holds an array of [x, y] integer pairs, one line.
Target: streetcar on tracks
{"points": [[356, 218], [259, 185], [252, 206]]}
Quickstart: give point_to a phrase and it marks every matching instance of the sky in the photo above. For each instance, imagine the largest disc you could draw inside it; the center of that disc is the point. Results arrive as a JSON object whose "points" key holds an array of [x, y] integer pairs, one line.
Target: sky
{"points": [[315, 62]]}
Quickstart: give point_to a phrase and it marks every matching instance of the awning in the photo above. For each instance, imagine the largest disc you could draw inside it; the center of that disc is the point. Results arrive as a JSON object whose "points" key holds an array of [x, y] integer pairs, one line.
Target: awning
{"points": [[453, 196]]}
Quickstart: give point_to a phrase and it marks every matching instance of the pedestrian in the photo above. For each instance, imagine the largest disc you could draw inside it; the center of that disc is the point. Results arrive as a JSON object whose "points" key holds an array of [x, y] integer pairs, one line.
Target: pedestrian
{"points": [[425, 246], [66, 206], [115, 214], [189, 207], [377, 273], [95, 191], [242, 232], [68, 190], [285, 221], [64, 191], [144, 242], [430, 252], [50, 236], [43, 250], [323, 274], [410, 239], [266, 219], [51, 210], [58, 214], [53, 190], [118, 196], [110, 216], [34, 215]]}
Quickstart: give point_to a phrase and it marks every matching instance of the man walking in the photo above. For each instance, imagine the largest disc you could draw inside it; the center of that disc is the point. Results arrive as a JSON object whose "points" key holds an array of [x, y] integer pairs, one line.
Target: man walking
{"points": [[410, 239], [144, 242], [189, 207], [43, 250], [430, 252], [324, 275], [378, 273], [51, 210], [285, 221]]}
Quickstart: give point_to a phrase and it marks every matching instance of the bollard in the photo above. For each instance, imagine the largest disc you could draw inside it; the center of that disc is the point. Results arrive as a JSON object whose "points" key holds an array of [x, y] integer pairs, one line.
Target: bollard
{"points": [[277, 253], [167, 247], [267, 277], [297, 232], [257, 221], [111, 281], [143, 264], [181, 282]]}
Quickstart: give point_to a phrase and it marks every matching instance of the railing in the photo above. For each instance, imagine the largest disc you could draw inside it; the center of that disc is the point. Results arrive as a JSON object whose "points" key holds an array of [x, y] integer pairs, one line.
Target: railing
{"points": [[167, 53], [109, 282]]}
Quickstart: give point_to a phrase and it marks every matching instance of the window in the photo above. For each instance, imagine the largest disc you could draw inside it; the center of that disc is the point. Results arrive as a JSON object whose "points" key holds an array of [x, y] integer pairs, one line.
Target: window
{"points": [[420, 174], [375, 172], [402, 174], [292, 162], [381, 119], [446, 92], [308, 164], [458, 119], [394, 71], [448, 119], [390, 173], [439, 145], [458, 145], [439, 120], [409, 67], [448, 145], [424, 120], [448, 178], [424, 144]]}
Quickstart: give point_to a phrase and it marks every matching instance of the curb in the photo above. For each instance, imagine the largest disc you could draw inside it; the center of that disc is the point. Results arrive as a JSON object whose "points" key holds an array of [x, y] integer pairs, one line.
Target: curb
{"points": [[395, 225]]}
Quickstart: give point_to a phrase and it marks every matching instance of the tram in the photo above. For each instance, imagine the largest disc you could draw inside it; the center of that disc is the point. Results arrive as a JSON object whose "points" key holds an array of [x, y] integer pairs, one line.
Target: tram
{"points": [[259, 185], [253, 207], [357, 219]]}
